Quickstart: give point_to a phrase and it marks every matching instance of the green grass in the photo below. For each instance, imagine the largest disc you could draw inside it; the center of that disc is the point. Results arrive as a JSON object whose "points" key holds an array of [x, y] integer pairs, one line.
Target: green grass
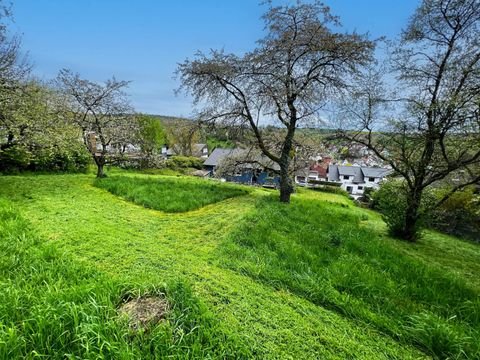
{"points": [[169, 194], [54, 307], [315, 279], [327, 254]]}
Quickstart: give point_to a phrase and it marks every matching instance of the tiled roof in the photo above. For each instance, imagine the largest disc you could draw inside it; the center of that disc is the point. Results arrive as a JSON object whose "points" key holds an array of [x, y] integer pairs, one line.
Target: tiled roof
{"points": [[375, 172], [358, 172], [217, 156]]}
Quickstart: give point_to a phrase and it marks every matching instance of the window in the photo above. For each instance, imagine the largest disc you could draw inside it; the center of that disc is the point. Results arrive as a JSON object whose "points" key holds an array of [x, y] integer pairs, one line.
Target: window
{"points": [[349, 189], [346, 177], [360, 188], [371, 179]]}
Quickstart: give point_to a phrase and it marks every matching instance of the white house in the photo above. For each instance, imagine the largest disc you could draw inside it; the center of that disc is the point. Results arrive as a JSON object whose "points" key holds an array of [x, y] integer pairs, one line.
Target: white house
{"points": [[355, 179]]}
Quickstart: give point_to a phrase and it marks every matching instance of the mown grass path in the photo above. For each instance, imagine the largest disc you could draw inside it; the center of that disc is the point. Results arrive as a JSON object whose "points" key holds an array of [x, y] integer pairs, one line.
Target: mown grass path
{"points": [[146, 246]]}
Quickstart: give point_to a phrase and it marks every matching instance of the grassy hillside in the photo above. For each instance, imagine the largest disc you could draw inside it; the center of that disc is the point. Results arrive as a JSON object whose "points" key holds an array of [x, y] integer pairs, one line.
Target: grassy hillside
{"points": [[245, 275], [169, 195]]}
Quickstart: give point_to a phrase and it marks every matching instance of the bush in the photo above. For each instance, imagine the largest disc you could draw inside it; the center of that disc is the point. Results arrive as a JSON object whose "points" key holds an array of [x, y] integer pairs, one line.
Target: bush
{"points": [[391, 201], [75, 159], [14, 159], [459, 215], [49, 159], [183, 162]]}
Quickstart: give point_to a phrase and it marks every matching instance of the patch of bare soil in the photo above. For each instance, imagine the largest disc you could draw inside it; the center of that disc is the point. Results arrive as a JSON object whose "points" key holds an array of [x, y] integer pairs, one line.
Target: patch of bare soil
{"points": [[144, 311]]}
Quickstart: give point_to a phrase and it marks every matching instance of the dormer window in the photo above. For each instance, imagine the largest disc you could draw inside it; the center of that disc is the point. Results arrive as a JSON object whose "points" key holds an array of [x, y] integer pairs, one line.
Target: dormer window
{"points": [[371, 179], [346, 177]]}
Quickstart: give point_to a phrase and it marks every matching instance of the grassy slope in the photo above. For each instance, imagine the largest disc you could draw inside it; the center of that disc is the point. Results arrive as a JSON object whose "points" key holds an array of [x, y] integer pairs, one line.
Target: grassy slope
{"points": [[53, 306], [272, 317], [335, 259], [188, 194]]}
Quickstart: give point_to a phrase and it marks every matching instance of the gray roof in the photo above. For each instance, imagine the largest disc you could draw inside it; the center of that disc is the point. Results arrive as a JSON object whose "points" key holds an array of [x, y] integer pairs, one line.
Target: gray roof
{"points": [[358, 172], [217, 156], [333, 173], [347, 170], [375, 172]]}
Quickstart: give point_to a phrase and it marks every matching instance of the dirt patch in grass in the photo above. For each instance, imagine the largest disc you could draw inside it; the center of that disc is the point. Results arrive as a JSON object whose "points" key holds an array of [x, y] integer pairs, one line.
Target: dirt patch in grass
{"points": [[144, 311]]}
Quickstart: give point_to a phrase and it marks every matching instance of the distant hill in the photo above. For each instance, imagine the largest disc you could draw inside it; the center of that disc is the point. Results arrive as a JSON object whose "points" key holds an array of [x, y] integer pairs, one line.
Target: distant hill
{"points": [[166, 119]]}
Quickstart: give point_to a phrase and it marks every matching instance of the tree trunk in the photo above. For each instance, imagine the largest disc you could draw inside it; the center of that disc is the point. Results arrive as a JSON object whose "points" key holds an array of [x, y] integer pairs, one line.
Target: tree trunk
{"points": [[410, 229], [100, 161], [286, 186], [100, 173]]}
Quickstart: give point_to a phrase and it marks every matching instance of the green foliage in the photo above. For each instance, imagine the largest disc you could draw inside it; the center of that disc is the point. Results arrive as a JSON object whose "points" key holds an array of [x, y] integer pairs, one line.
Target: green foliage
{"points": [[213, 143], [14, 159], [52, 306], [184, 162], [32, 138], [459, 214], [337, 262], [391, 201], [151, 134], [72, 159], [45, 159], [169, 194]]}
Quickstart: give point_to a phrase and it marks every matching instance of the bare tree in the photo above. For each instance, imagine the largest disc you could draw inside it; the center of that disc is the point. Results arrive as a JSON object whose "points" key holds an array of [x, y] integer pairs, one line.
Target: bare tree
{"points": [[101, 111], [432, 128], [284, 81]]}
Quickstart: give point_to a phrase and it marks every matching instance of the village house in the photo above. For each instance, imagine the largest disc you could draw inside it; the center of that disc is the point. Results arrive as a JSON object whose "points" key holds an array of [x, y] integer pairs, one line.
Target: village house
{"points": [[316, 172], [239, 165], [355, 179]]}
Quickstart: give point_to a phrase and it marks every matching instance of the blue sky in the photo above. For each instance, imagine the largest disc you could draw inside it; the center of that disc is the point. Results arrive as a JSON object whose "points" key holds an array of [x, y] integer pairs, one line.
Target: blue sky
{"points": [[143, 40]]}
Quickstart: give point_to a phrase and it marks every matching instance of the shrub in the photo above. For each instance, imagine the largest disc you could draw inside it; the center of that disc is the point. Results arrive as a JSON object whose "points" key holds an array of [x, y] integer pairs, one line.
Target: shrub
{"points": [[75, 159], [153, 161], [391, 201], [459, 215], [15, 158], [182, 162], [48, 158]]}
